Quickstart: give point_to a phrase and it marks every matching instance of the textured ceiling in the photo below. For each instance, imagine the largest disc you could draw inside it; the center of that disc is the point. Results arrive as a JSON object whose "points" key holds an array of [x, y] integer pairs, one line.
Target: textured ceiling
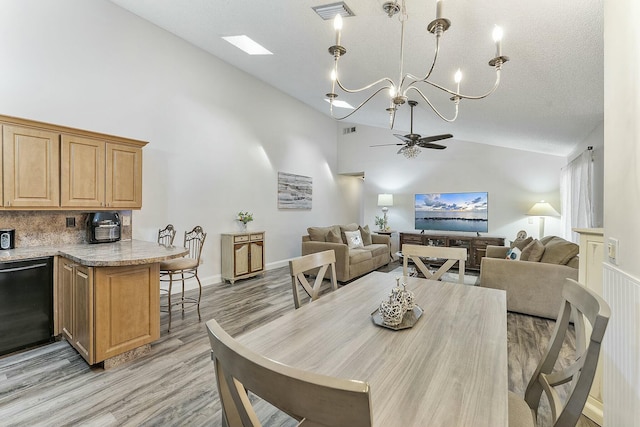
{"points": [[550, 98]]}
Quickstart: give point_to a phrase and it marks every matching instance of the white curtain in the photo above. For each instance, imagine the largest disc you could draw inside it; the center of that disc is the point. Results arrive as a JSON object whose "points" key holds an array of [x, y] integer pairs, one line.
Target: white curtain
{"points": [[576, 190]]}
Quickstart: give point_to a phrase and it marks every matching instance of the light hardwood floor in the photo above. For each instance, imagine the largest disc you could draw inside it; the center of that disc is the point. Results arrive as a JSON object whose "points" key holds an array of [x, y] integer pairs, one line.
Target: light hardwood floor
{"points": [[175, 383]]}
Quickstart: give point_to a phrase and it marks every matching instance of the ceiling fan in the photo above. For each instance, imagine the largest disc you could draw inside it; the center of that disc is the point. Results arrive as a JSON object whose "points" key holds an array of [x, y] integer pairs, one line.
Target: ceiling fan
{"points": [[413, 140]]}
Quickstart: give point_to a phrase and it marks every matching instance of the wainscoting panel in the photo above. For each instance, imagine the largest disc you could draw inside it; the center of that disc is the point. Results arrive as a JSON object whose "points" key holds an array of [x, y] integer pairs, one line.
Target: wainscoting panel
{"points": [[621, 355]]}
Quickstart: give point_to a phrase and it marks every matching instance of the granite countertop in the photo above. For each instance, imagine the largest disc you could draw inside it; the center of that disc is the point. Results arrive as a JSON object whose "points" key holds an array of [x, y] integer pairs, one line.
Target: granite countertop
{"points": [[127, 252]]}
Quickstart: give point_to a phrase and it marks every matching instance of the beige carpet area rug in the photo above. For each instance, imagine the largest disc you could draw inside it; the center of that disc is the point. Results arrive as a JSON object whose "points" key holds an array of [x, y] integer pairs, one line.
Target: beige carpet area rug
{"points": [[469, 279]]}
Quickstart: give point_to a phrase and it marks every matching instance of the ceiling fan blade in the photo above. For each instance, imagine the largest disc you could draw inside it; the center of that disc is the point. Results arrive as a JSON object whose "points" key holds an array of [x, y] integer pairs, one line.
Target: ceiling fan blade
{"points": [[384, 145], [431, 145], [402, 138], [435, 138]]}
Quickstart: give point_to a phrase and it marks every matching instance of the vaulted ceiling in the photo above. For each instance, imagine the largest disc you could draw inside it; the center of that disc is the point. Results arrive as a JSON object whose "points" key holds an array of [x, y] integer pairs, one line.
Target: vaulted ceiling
{"points": [[550, 97]]}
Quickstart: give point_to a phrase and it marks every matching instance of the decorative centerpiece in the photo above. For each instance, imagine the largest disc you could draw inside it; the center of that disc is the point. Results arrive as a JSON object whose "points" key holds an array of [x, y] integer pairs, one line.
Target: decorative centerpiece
{"points": [[400, 311], [244, 218]]}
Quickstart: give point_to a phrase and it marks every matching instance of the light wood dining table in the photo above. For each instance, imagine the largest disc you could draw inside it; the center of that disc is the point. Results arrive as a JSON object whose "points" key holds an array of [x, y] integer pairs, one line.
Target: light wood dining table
{"points": [[448, 370]]}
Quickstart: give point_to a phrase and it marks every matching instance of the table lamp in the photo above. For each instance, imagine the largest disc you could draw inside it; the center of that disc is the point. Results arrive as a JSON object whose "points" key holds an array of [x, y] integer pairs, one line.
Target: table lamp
{"points": [[542, 209], [385, 200]]}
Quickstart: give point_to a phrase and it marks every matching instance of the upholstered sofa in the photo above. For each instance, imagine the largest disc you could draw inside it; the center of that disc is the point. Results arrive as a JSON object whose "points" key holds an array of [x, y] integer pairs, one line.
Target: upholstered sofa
{"points": [[351, 262], [534, 281]]}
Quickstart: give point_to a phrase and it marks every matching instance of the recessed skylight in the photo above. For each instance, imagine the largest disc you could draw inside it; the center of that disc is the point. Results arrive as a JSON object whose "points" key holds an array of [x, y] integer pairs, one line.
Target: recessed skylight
{"points": [[248, 45], [340, 104]]}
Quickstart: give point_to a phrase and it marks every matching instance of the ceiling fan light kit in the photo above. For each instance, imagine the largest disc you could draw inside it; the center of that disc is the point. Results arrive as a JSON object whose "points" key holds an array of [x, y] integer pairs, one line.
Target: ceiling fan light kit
{"points": [[398, 91]]}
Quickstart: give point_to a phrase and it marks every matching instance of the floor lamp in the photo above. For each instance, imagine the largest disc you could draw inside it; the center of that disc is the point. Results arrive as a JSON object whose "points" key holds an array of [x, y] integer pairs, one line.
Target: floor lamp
{"points": [[542, 209], [385, 200]]}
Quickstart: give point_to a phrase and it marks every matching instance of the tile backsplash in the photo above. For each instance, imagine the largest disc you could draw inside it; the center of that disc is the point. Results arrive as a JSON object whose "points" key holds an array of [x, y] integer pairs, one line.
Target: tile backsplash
{"points": [[42, 228]]}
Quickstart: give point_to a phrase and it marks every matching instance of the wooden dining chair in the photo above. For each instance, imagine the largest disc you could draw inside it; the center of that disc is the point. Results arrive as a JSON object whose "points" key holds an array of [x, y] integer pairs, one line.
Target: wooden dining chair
{"points": [[451, 256], [181, 269], [320, 261], [166, 235], [579, 303], [313, 399]]}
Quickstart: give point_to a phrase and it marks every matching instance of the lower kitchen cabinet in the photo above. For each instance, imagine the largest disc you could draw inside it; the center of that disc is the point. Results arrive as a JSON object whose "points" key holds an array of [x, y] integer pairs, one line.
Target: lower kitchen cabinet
{"points": [[107, 311], [242, 255]]}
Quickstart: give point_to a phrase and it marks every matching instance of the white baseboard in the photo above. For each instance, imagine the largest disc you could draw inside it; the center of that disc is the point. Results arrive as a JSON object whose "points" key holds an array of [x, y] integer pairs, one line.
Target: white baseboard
{"points": [[191, 284], [593, 410]]}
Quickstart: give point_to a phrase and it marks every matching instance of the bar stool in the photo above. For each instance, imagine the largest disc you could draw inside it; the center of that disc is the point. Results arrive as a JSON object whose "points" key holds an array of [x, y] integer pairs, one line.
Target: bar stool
{"points": [[166, 235], [184, 268]]}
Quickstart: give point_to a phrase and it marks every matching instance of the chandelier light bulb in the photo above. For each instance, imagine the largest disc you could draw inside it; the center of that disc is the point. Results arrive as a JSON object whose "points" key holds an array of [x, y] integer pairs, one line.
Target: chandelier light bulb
{"points": [[337, 25], [497, 34], [392, 92], [337, 22], [334, 75], [497, 37], [458, 76]]}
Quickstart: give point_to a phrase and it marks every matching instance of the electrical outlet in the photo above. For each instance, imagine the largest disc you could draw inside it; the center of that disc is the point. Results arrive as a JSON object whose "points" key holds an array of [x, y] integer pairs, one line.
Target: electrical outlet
{"points": [[71, 222], [612, 250], [126, 220]]}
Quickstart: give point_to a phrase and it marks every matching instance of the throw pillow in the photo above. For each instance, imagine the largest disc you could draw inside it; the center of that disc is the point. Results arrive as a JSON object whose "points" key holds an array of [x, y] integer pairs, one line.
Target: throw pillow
{"points": [[317, 234], [559, 251], [514, 254], [521, 243], [348, 227], [366, 235], [354, 239], [334, 237], [533, 251]]}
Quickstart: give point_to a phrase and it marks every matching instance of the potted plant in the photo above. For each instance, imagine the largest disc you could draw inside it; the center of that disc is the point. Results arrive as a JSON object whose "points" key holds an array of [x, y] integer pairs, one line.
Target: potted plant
{"points": [[381, 223], [244, 218]]}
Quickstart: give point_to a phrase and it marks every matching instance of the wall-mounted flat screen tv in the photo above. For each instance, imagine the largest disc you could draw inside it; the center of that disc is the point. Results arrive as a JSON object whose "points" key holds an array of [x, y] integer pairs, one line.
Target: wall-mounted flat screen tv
{"points": [[452, 212]]}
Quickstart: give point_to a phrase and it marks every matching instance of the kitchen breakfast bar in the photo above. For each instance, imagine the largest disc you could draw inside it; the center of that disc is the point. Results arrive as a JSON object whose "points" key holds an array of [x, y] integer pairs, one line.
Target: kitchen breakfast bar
{"points": [[106, 299]]}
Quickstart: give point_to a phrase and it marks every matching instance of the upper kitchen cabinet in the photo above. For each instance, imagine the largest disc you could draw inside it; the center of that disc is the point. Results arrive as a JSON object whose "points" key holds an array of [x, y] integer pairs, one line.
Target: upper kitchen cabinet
{"points": [[47, 166], [99, 174], [30, 167], [123, 176], [82, 172]]}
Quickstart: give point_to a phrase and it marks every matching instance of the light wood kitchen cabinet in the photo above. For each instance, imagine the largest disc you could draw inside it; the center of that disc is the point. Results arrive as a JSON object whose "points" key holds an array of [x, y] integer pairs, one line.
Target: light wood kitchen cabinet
{"points": [[82, 172], [242, 255], [107, 311], [76, 286], [123, 176], [30, 167], [48, 166], [96, 173]]}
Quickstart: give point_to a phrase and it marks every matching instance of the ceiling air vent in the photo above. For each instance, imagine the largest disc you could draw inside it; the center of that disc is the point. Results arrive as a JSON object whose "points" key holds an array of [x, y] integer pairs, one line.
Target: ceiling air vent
{"points": [[329, 11], [346, 131]]}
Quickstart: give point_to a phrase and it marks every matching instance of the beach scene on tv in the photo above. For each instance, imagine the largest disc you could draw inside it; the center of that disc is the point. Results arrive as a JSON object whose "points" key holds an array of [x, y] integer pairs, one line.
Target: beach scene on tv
{"points": [[452, 212]]}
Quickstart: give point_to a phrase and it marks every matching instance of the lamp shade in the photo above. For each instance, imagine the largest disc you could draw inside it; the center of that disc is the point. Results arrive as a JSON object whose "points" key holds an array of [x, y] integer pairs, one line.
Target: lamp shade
{"points": [[543, 208], [385, 199]]}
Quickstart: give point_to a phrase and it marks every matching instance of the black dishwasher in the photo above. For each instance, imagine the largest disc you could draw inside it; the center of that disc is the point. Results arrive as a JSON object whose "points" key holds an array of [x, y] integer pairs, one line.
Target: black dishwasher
{"points": [[26, 304]]}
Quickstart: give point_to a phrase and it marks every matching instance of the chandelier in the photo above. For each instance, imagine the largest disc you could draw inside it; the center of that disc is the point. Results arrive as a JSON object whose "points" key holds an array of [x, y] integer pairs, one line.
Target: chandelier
{"points": [[408, 82]]}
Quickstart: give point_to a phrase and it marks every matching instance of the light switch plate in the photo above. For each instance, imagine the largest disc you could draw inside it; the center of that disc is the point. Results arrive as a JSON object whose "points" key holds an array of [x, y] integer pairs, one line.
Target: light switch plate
{"points": [[612, 250]]}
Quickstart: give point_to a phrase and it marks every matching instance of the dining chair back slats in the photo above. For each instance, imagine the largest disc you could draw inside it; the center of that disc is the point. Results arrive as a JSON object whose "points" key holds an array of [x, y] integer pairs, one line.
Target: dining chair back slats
{"points": [[313, 399], [323, 262], [166, 235], [449, 255], [579, 304]]}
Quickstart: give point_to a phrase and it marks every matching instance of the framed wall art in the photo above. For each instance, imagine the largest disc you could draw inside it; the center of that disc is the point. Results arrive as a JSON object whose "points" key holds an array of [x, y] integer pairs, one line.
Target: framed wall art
{"points": [[294, 191]]}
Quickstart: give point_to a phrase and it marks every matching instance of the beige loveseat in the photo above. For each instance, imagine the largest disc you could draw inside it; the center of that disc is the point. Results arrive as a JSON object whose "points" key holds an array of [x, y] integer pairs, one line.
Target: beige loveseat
{"points": [[534, 285], [350, 262]]}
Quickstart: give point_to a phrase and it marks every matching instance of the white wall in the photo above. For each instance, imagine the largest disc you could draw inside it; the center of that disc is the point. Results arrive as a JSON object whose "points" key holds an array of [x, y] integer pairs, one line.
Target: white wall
{"points": [[217, 137], [515, 179], [621, 281]]}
